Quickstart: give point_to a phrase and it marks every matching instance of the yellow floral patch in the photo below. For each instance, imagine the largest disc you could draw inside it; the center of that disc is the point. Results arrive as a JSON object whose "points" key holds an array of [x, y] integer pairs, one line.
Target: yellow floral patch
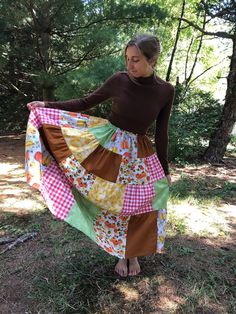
{"points": [[31, 129], [80, 142], [96, 121], [107, 195]]}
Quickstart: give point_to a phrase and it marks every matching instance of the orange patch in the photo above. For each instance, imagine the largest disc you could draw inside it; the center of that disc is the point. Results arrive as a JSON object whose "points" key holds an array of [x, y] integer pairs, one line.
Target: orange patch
{"points": [[36, 186], [38, 156], [27, 155], [141, 175], [73, 114]]}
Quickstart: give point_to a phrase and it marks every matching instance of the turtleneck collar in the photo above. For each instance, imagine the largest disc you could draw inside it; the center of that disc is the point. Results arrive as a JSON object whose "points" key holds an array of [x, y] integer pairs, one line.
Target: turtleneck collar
{"points": [[145, 80]]}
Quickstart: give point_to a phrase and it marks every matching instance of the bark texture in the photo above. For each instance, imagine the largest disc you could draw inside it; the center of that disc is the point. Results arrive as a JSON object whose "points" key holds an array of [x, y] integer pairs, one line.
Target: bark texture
{"points": [[220, 139]]}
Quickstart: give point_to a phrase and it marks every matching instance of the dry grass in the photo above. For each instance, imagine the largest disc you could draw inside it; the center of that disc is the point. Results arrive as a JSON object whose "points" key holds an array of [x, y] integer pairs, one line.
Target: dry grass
{"points": [[62, 271]]}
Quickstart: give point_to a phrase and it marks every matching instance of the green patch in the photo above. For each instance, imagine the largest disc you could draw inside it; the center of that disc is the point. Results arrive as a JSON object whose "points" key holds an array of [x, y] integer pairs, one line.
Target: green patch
{"points": [[82, 215], [161, 194], [103, 133]]}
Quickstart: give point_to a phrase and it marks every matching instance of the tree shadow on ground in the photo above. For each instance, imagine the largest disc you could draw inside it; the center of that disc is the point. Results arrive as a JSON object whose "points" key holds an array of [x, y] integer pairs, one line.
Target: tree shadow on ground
{"points": [[202, 188], [62, 271]]}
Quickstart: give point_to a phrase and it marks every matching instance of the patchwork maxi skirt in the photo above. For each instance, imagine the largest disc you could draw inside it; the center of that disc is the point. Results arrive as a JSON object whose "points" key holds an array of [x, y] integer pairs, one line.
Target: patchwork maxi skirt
{"points": [[102, 180]]}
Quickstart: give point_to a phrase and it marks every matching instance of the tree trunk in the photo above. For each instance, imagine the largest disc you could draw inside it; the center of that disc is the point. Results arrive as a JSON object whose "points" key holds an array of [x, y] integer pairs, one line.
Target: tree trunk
{"points": [[176, 42], [220, 139], [48, 93]]}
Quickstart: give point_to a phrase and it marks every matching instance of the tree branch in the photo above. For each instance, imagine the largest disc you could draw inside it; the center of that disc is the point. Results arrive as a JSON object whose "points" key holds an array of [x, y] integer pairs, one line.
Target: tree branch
{"points": [[103, 20], [189, 49], [197, 53], [218, 34], [214, 65], [219, 14], [85, 57]]}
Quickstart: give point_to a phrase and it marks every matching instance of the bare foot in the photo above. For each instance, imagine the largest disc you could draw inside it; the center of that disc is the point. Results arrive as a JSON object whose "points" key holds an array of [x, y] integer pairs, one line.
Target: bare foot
{"points": [[134, 267], [121, 267]]}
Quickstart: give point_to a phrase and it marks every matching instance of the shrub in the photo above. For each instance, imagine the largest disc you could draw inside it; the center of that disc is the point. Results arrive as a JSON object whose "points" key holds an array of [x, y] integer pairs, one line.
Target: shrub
{"points": [[194, 118]]}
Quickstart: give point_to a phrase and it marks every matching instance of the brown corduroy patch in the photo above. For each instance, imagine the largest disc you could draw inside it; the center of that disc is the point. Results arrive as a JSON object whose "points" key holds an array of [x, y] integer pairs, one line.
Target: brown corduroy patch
{"points": [[142, 235], [103, 163], [145, 148], [54, 141]]}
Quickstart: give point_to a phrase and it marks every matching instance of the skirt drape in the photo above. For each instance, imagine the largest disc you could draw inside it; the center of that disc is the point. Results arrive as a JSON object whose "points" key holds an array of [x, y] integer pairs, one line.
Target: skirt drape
{"points": [[102, 180]]}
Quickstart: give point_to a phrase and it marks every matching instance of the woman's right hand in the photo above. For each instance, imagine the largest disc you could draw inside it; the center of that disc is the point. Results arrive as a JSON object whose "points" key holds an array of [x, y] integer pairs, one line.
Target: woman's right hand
{"points": [[35, 104]]}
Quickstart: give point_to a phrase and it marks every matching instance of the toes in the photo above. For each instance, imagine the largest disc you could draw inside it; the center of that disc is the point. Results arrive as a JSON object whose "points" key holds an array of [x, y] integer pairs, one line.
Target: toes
{"points": [[134, 272], [121, 272]]}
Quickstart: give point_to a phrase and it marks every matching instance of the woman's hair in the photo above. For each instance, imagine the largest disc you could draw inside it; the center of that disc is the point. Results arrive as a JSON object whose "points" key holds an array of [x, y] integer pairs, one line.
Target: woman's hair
{"points": [[148, 45]]}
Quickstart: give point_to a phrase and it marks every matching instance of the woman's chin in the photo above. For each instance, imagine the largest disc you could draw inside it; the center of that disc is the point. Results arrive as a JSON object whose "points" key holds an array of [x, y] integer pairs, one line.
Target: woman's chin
{"points": [[134, 74]]}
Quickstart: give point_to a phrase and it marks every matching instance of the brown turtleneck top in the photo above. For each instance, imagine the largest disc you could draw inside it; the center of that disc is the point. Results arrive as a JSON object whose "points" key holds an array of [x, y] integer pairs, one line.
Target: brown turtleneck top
{"points": [[135, 106]]}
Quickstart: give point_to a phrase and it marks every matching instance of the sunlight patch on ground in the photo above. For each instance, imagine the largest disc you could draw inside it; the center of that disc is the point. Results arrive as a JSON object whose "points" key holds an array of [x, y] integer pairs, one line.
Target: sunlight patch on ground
{"points": [[6, 167], [129, 293], [208, 221], [17, 197], [14, 205], [168, 301], [13, 191]]}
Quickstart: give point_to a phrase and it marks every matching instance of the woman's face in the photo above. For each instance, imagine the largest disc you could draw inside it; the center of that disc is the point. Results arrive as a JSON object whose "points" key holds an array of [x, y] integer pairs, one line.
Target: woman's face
{"points": [[136, 63]]}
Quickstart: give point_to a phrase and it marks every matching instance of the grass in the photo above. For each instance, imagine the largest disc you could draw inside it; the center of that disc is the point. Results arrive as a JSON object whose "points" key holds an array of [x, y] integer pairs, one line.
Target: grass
{"points": [[62, 271], [202, 190]]}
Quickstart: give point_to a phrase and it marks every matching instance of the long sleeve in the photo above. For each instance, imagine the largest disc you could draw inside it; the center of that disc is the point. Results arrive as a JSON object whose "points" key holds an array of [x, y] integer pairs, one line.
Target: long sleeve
{"points": [[161, 133], [101, 94]]}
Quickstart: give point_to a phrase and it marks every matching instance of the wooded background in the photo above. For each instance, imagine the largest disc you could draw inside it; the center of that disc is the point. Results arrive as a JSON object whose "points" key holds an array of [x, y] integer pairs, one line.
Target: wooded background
{"points": [[60, 49]]}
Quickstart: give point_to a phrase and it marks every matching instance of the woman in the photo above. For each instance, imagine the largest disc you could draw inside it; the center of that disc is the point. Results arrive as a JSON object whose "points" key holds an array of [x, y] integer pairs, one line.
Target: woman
{"points": [[119, 184]]}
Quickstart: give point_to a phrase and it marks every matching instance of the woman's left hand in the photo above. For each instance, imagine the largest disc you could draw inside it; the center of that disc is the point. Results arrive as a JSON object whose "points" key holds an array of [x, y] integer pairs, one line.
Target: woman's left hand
{"points": [[169, 180]]}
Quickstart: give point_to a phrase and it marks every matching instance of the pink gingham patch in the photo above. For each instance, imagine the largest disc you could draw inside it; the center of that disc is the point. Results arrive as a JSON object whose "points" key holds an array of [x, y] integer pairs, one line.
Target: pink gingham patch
{"points": [[138, 199], [39, 116], [56, 191], [154, 167]]}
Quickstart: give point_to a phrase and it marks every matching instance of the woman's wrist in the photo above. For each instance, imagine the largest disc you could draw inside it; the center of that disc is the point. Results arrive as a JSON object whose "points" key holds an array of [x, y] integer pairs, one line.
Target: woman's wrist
{"points": [[168, 176]]}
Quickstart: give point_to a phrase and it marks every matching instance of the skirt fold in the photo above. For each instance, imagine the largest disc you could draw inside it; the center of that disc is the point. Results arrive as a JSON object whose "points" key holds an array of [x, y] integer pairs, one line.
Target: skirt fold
{"points": [[102, 180]]}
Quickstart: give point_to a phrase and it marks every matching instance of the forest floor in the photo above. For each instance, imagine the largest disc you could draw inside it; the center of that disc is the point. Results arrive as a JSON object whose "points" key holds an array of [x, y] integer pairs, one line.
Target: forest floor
{"points": [[60, 270]]}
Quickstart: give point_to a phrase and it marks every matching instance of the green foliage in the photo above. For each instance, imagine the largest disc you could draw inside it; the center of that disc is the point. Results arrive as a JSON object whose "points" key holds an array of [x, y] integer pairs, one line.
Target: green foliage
{"points": [[13, 114], [194, 118], [233, 143], [80, 83], [43, 42]]}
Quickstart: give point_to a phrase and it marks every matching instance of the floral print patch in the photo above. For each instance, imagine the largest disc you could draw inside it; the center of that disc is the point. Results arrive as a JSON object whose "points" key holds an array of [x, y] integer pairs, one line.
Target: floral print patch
{"points": [[161, 234], [111, 232], [123, 143], [74, 120], [133, 171], [33, 156], [77, 175]]}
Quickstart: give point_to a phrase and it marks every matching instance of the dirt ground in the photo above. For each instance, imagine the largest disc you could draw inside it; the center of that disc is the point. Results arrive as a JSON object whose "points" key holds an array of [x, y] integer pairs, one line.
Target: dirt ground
{"points": [[18, 201]]}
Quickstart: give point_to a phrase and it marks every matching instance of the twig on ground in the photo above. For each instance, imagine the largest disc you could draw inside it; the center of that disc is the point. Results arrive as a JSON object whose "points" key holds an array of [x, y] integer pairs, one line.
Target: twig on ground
{"points": [[21, 239], [5, 240]]}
